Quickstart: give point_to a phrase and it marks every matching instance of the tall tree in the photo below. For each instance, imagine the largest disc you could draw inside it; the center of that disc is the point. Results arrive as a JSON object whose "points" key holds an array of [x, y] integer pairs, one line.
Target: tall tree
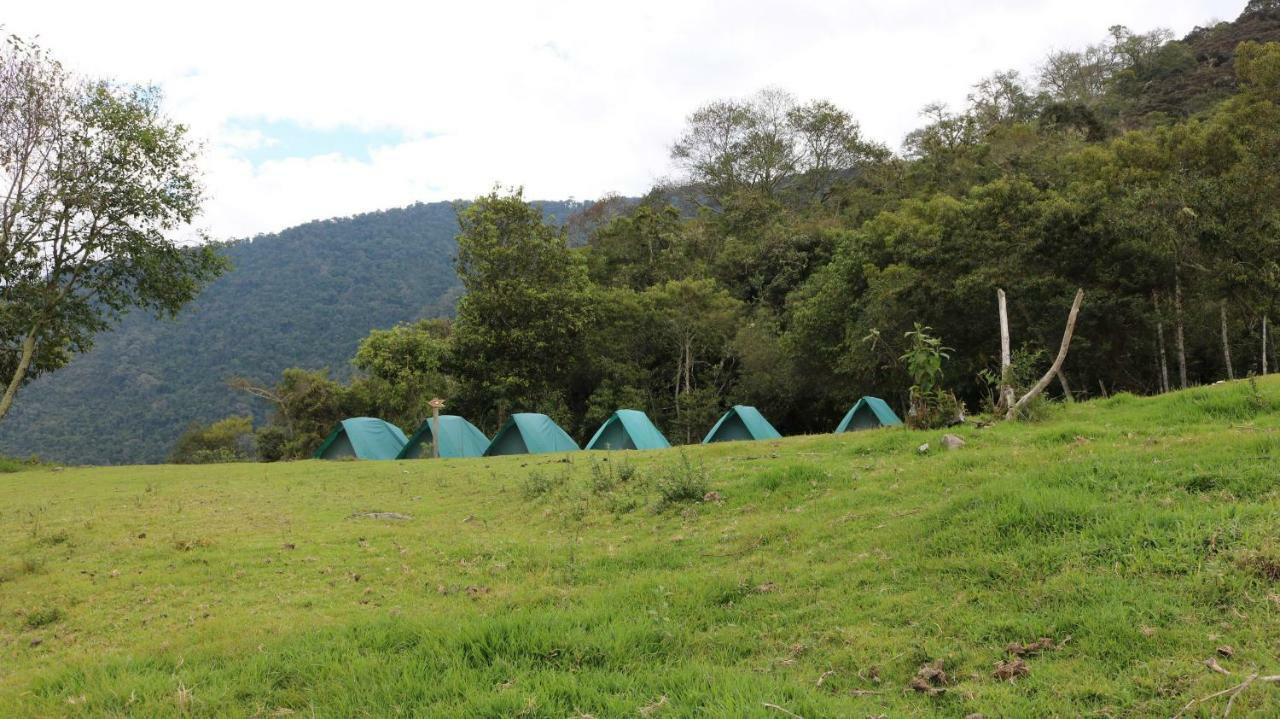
{"points": [[520, 328], [95, 181]]}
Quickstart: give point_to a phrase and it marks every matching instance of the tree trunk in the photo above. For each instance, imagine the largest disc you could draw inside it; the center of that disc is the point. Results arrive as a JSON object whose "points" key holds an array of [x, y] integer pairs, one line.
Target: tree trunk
{"points": [[1057, 361], [1179, 338], [1264, 344], [1066, 388], [1226, 342], [20, 372], [1164, 358], [1006, 359]]}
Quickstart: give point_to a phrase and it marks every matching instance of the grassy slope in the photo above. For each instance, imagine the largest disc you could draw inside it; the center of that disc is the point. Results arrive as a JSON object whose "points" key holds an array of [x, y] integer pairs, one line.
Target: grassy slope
{"points": [[1142, 528]]}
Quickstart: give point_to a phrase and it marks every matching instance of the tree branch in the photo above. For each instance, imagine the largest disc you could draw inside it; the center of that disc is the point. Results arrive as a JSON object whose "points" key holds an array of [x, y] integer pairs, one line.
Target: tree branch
{"points": [[1057, 362]]}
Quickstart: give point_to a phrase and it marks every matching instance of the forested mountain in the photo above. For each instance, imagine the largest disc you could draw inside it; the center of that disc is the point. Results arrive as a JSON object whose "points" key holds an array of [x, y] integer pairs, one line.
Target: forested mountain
{"points": [[301, 298]]}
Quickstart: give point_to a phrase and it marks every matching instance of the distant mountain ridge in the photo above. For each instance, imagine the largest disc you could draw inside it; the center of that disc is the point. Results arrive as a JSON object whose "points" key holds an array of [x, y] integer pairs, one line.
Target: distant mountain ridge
{"points": [[301, 297]]}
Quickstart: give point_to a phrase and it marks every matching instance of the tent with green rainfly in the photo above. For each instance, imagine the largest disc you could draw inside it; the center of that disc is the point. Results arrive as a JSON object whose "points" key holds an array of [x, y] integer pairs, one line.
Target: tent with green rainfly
{"points": [[628, 429], [741, 422], [362, 438], [458, 438], [869, 413], [530, 433]]}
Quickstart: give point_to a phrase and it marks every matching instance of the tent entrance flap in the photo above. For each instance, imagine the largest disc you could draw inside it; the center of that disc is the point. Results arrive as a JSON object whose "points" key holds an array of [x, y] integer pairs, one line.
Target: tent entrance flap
{"points": [[628, 429], [612, 436], [868, 413]]}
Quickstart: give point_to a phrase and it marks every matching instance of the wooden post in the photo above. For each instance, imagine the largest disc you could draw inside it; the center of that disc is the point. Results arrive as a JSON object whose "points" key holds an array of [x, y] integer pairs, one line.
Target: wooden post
{"points": [[1264, 344], [436, 405], [1226, 342], [1164, 361], [1179, 336], [1006, 358]]}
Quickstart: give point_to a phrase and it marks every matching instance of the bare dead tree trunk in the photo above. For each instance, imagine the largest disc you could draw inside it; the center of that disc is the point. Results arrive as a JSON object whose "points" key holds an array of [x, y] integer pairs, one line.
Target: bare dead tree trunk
{"points": [[1006, 358], [20, 372], [1179, 337], [1066, 388], [1057, 361], [1264, 344], [1226, 342], [1164, 359]]}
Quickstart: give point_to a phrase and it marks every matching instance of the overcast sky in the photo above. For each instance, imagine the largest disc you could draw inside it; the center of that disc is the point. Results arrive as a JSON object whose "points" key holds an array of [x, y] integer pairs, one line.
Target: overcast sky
{"points": [[315, 110]]}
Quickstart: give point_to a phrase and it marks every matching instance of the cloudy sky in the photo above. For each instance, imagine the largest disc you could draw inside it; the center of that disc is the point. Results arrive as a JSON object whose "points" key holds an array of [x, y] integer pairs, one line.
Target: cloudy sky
{"points": [[314, 110]]}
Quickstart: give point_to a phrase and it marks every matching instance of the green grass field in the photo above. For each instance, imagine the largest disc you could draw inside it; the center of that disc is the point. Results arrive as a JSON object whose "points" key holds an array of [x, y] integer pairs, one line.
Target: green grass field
{"points": [[1139, 535]]}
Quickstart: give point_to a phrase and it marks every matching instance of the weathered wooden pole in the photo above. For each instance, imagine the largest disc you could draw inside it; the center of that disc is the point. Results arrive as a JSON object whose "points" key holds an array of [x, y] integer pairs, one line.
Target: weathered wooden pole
{"points": [[1264, 344], [1164, 359], [1179, 336], [436, 405], [1006, 357], [1226, 342]]}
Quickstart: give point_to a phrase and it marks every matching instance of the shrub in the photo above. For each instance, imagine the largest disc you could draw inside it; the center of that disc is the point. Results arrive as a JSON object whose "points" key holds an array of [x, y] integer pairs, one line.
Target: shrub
{"points": [[43, 617], [683, 482], [227, 440], [931, 405], [536, 484]]}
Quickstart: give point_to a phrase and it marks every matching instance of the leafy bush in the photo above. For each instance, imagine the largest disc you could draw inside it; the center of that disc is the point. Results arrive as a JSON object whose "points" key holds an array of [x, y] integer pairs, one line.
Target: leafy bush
{"points": [[931, 405], [44, 616], [683, 482], [227, 440], [1024, 372]]}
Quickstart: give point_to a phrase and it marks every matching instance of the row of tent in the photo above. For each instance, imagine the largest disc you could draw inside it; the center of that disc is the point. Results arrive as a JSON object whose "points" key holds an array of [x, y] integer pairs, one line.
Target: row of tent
{"points": [[530, 433]]}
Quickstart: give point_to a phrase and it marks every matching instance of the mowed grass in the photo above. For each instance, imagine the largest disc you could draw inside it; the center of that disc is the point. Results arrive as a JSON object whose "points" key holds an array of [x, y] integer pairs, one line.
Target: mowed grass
{"points": [[1139, 535]]}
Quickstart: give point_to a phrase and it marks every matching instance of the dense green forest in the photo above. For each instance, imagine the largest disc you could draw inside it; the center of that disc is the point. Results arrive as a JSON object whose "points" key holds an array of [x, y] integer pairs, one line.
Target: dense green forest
{"points": [[792, 263], [795, 264], [301, 297]]}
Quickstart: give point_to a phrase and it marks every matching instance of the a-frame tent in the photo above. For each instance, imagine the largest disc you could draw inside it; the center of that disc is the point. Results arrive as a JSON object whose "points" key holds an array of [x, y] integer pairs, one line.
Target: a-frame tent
{"points": [[741, 422], [458, 438], [362, 438], [628, 429], [530, 433], [869, 413]]}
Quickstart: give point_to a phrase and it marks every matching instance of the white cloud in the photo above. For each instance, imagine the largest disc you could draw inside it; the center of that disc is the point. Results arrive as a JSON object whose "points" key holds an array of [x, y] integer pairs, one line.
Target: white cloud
{"points": [[566, 98]]}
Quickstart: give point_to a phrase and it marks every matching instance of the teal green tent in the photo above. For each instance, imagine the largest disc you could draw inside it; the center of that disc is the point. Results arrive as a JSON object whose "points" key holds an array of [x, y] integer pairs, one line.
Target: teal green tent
{"points": [[868, 413], [741, 422], [628, 429], [458, 438], [362, 438], [530, 433]]}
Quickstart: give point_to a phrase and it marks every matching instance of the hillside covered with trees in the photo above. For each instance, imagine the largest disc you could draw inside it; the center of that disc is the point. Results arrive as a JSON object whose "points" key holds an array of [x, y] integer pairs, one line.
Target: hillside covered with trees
{"points": [[796, 265], [792, 264], [303, 297]]}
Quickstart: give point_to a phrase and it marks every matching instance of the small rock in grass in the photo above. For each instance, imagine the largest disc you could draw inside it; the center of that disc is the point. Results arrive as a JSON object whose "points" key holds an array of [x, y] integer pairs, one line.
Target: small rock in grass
{"points": [[713, 496], [923, 449], [951, 441], [1226, 651]]}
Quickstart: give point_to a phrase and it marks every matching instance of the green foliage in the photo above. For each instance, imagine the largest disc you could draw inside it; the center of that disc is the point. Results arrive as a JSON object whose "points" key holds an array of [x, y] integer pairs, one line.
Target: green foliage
{"points": [[682, 481], [789, 271], [931, 405], [303, 298], [227, 440], [521, 326], [1258, 69], [98, 181]]}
